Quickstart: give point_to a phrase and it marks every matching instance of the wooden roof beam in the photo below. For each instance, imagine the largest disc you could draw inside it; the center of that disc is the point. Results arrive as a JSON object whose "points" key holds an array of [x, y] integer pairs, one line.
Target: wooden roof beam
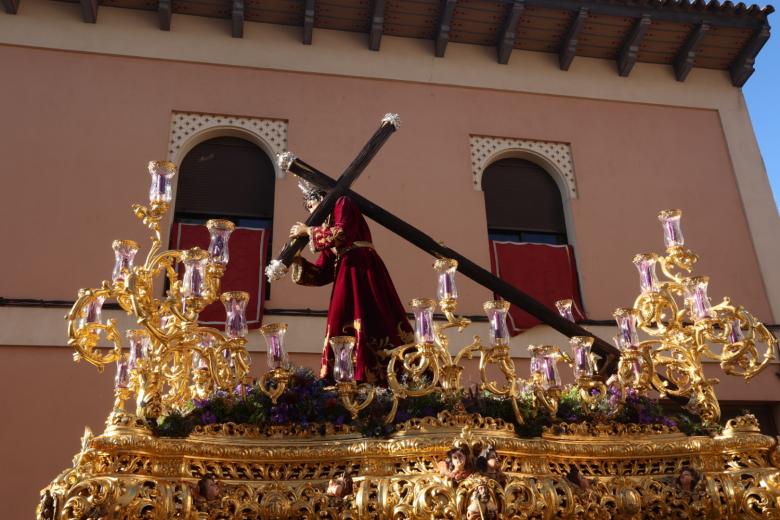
{"points": [[506, 40], [308, 22], [659, 12], [569, 47], [89, 9], [744, 66], [630, 50], [683, 62], [11, 6], [377, 25], [445, 24], [164, 14], [237, 19]]}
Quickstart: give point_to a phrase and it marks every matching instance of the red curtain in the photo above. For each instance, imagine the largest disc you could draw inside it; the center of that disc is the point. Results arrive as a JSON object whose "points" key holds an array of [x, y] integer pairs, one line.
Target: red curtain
{"points": [[546, 272], [244, 271]]}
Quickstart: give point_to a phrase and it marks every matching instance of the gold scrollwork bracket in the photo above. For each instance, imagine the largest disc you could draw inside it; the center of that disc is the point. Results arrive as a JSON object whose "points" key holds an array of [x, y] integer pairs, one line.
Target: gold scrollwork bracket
{"points": [[273, 383]]}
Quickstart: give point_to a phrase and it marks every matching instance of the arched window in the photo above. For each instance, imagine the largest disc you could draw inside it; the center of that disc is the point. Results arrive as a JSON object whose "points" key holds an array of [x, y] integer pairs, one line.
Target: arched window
{"points": [[233, 179], [528, 240], [226, 177], [523, 203]]}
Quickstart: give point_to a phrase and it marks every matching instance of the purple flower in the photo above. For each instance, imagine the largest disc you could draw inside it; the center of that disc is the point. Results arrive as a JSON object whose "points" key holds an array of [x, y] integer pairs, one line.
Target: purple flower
{"points": [[208, 417]]}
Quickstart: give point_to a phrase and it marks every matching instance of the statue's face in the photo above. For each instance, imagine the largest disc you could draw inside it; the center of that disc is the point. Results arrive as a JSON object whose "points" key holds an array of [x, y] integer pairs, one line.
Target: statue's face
{"points": [[686, 478], [311, 205]]}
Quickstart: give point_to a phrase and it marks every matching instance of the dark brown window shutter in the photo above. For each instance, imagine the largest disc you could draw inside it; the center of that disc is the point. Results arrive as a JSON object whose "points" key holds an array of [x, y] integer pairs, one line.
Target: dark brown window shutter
{"points": [[521, 197], [226, 177]]}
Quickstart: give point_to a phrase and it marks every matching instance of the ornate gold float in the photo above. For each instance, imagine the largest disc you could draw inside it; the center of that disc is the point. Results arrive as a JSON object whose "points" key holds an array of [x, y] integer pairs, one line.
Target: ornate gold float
{"points": [[266, 470]]}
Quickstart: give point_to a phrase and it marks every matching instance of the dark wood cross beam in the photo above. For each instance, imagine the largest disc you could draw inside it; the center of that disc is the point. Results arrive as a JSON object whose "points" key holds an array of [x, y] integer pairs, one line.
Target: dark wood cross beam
{"points": [[308, 22], [508, 35], [377, 25], [569, 47], [89, 9], [630, 51], [11, 6], [237, 19], [445, 24], [164, 14], [390, 124], [743, 66], [683, 62], [483, 277]]}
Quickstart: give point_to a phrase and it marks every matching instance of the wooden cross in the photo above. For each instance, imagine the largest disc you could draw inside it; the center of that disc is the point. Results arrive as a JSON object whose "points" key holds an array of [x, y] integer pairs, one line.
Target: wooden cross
{"points": [[390, 123], [290, 163]]}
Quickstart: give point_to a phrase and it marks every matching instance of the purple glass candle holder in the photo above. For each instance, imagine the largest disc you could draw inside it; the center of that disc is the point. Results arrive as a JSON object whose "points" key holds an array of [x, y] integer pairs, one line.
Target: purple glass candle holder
{"points": [[205, 342], [648, 279], [194, 280], [696, 296], [670, 221], [199, 362], [228, 355], [122, 379], [235, 308], [735, 334], [544, 363], [140, 346], [423, 320], [92, 312], [274, 340], [124, 254], [220, 231], [446, 267], [165, 321], [161, 189], [496, 311], [565, 309], [343, 364], [584, 364], [627, 319]]}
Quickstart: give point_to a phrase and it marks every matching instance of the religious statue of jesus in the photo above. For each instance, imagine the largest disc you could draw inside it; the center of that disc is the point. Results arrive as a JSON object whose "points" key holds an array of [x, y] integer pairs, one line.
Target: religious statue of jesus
{"points": [[363, 302]]}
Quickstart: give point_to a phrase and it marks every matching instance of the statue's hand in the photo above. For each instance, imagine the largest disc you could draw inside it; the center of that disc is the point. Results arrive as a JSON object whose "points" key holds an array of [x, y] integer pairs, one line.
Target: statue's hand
{"points": [[299, 230]]}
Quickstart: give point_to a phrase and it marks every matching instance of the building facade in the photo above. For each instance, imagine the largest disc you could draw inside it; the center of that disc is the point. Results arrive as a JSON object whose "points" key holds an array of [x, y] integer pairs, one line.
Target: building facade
{"points": [[86, 105]]}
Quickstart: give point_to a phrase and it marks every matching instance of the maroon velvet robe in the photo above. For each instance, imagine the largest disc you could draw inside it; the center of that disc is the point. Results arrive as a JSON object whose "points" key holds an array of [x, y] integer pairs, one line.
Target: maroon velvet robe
{"points": [[363, 302]]}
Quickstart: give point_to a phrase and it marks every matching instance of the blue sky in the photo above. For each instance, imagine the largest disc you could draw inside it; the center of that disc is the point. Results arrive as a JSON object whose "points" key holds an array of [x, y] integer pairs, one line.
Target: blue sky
{"points": [[761, 93]]}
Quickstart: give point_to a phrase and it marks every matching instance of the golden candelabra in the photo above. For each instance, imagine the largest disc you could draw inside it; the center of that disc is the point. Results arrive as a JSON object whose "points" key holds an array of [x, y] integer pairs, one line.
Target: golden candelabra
{"points": [[171, 359], [685, 330]]}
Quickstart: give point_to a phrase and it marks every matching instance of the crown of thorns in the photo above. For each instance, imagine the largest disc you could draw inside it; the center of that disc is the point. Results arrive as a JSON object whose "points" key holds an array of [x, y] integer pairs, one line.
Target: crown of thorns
{"points": [[310, 191]]}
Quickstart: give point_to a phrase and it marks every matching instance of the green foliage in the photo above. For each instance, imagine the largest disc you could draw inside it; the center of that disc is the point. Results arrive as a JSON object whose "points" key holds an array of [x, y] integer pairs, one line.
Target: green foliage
{"points": [[307, 400], [173, 425]]}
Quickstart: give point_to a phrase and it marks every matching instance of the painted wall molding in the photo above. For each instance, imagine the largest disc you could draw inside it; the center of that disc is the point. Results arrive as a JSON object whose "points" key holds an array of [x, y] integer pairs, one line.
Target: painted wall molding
{"points": [[188, 129], [554, 157]]}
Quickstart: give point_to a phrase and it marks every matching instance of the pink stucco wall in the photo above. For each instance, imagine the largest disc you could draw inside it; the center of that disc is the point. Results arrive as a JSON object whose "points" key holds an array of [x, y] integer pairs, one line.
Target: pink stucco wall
{"points": [[78, 129]]}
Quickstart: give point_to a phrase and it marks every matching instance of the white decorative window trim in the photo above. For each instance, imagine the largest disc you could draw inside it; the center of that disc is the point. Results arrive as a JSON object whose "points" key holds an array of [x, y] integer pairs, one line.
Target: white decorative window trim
{"points": [[552, 156], [189, 129]]}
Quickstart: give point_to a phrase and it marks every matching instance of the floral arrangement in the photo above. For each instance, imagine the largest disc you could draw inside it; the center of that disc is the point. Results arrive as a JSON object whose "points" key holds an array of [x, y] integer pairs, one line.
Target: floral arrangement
{"points": [[307, 401]]}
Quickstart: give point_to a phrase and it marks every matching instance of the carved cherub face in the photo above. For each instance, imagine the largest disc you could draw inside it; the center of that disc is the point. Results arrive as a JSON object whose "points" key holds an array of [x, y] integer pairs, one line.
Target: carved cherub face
{"points": [[209, 489], [686, 478], [458, 460], [335, 487]]}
